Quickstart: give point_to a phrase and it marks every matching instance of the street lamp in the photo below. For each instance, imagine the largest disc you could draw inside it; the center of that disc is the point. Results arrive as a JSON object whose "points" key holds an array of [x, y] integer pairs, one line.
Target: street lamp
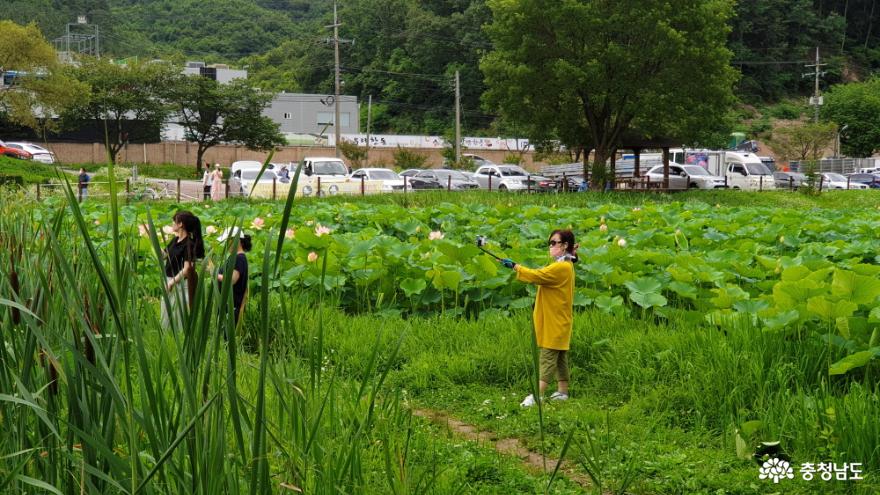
{"points": [[837, 147]]}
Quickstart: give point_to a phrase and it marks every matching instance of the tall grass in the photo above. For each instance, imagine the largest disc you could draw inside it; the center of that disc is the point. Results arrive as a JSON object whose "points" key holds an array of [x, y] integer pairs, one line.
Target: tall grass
{"points": [[98, 397]]}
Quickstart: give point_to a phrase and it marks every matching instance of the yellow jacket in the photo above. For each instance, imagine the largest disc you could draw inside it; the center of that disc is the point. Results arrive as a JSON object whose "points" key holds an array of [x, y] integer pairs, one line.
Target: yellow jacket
{"points": [[553, 306]]}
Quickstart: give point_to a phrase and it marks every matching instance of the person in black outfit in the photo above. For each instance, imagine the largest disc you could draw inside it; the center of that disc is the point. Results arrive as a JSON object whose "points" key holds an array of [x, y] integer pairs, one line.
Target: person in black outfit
{"points": [[181, 255], [240, 271]]}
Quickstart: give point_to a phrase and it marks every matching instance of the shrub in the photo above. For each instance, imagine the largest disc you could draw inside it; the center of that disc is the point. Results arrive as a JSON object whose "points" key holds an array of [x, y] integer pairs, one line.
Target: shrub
{"points": [[405, 158], [513, 158], [355, 154]]}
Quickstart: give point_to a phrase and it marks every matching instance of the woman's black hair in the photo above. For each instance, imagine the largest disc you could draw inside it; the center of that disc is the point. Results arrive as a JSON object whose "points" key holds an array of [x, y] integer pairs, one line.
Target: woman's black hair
{"points": [[245, 241], [193, 227], [566, 236]]}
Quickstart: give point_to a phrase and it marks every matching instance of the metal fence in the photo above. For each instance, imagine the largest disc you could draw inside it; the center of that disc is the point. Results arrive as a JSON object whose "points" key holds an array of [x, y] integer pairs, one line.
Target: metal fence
{"points": [[838, 165]]}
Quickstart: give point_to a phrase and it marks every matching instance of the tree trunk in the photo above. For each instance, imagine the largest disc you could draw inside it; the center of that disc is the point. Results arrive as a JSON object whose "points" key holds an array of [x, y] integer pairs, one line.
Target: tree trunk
{"points": [[597, 180], [199, 156]]}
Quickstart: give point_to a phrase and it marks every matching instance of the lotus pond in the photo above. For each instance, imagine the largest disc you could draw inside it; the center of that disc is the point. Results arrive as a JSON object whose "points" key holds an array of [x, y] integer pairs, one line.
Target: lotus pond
{"points": [[706, 325]]}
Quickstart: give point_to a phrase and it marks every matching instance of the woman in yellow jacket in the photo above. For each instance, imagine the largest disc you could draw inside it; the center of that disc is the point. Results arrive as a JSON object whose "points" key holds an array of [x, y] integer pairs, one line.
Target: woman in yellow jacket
{"points": [[553, 311]]}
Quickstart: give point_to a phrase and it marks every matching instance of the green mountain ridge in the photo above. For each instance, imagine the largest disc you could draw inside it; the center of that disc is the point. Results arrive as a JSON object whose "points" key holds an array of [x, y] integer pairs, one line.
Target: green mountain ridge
{"points": [[405, 52]]}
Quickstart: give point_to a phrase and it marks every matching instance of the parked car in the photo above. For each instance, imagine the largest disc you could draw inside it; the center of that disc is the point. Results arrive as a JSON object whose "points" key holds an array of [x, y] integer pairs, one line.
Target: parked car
{"points": [[870, 180], [831, 180], [512, 178], [410, 172], [38, 153], [445, 178], [477, 160], [789, 180], [388, 178], [248, 178], [13, 152], [687, 177]]}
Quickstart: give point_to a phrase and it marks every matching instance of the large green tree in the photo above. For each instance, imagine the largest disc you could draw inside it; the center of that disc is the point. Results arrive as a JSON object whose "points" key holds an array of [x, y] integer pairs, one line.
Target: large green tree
{"points": [[213, 113], [856, 106], [586, 72], [124, 101], [42, 90]]}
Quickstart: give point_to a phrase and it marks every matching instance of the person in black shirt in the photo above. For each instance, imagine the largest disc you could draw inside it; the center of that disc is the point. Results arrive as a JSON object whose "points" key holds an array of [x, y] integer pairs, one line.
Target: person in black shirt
{"points": [[180, 258], [240, 271]]}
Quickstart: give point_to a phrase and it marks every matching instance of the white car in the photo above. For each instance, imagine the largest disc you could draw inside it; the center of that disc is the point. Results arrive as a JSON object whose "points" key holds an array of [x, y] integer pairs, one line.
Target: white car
{"points": [[687, 176], [831, 180], [511, 178], [39, 153], [388, 178], [248, 178]]}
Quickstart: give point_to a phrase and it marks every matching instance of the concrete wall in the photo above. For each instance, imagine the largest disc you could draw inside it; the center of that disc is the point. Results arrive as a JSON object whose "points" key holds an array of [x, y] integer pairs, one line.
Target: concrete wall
{"points": [[184, 153], [299, 113]]}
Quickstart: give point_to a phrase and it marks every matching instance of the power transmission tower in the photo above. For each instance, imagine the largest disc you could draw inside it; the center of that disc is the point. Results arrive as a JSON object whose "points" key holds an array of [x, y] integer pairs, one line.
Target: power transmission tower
{"points": [[457, 118], [816, 99], [80, 38], [337, 124]]}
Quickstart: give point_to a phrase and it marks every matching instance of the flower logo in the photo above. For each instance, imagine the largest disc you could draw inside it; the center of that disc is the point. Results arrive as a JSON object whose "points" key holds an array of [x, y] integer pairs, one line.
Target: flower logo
{"points": [[435, 235], [776, 469]]}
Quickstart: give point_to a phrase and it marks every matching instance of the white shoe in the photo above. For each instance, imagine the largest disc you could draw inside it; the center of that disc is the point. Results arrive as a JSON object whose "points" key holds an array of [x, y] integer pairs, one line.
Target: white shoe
{"points": [[529, 401], [558, 396]]}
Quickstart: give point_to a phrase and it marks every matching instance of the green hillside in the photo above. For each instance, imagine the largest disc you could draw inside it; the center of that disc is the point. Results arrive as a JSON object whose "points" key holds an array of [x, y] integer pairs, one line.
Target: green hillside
{"points": [[405, 52]]}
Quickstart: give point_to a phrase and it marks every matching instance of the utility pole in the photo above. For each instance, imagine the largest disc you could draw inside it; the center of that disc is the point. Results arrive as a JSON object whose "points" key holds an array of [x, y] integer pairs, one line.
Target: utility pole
{"points": [[369, 122], [337, 124], [457, 118], [816, 100]]}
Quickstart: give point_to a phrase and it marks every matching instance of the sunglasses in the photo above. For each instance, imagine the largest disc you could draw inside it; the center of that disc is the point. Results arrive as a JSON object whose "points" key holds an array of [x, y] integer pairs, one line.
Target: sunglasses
{"points": [[553, 242]]}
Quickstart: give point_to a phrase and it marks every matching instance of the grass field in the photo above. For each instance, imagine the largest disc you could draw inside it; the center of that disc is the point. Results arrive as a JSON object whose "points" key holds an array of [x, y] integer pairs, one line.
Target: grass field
{"points": [[315, 393]]}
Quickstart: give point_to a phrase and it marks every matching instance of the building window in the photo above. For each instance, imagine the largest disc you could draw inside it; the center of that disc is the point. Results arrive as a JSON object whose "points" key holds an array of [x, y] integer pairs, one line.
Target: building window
{"points": [[325, 118], [287, 116]]}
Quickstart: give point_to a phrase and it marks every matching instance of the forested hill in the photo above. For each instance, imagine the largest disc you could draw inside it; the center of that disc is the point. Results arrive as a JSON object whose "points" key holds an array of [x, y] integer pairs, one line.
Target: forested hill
{"points": [[405, 52]]}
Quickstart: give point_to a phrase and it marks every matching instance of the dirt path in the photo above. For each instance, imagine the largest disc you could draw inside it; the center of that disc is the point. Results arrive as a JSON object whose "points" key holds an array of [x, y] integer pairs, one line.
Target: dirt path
{"points": [[531, 460]]}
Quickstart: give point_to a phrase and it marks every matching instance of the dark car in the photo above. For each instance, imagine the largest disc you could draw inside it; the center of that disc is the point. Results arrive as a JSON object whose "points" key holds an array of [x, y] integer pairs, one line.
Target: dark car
{"points": [[410, 172], [443, 179], [788, 180], [870, 180]]}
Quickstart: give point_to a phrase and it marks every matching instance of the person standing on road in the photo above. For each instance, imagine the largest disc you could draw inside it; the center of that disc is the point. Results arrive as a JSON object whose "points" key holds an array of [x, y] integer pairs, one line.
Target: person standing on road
{"points": [[83, 184], [206, 185], [553, 313], [181, 255], [217, 183]]}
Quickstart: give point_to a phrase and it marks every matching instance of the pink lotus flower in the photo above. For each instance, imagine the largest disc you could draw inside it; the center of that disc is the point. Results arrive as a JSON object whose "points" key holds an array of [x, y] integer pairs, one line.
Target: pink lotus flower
{"points": [[321, 230], [621, 243], [289, 233], [97, 222], [211, 230], [143, 230], [603, 228], [313, 257], [435, 235], [168, 229], [257, 223]]}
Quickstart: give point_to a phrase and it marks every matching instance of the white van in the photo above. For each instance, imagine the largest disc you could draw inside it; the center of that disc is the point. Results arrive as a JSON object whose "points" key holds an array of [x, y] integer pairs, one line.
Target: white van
{"points": [[746, 171]]}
